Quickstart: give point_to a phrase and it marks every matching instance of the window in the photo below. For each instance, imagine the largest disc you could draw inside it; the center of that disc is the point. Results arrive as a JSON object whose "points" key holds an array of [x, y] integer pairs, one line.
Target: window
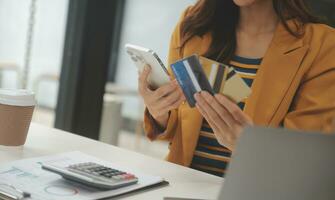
{"points": [[46, 49], [147, 23]]}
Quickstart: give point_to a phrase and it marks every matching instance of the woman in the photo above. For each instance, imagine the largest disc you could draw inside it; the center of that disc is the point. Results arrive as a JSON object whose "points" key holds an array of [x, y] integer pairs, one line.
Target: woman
{"points": [[282, 52]]}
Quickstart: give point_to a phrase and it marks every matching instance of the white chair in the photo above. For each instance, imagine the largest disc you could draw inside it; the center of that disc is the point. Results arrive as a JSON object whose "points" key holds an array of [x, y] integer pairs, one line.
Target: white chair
{"points": [[119, 92]]}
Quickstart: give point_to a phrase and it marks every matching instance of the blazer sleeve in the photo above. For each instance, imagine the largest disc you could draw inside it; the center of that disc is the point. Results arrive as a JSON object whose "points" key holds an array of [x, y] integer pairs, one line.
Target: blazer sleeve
{"points": [[313, 108], [152, 130]]}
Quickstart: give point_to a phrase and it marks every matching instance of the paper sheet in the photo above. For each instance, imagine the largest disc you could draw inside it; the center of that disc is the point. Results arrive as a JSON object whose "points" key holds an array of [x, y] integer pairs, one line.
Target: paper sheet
{"points": [[27, 175]]}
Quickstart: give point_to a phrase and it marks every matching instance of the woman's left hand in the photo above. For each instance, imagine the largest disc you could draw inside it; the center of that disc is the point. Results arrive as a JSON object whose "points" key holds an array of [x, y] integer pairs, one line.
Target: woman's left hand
{"points": [[225, 118]]}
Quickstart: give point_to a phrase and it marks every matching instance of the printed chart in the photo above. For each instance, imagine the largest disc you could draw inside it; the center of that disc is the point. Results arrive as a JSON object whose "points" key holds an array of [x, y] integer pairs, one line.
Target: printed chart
{"points": [[61, 190]]}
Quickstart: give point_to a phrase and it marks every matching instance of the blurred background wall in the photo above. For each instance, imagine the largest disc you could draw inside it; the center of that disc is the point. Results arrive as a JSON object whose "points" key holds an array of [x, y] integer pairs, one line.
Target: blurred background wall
{"points": [[47, 48], [147, 23]]}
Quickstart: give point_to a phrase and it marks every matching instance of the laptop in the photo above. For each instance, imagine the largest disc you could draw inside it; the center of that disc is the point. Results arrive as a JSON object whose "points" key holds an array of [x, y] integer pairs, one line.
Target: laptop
{"points": [[280, 164]]}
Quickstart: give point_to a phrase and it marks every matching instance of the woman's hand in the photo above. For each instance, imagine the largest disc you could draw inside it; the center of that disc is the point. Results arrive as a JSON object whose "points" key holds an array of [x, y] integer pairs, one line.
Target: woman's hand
{"points": [[159, 102], [225, 117]]}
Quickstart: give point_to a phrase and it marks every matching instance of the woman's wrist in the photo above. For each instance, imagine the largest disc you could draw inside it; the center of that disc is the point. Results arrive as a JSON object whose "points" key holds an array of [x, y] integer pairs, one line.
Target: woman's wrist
{"points": [[161, 121]]}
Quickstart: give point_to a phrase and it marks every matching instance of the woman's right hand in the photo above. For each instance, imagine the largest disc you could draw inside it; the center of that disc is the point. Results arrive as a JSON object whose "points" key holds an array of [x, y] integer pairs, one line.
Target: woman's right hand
{"points": [[159, 102]]}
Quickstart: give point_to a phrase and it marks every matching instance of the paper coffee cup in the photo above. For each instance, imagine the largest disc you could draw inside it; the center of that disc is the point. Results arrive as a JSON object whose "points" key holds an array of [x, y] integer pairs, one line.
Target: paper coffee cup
{"points": [[16, 111]]}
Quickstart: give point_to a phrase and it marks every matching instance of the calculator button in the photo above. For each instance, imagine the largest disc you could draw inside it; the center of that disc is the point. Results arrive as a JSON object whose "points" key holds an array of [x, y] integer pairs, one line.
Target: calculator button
{"points": [[131, 175], [128, 176], [101, 172], [125, 176], [119, 177], [95, 173]]}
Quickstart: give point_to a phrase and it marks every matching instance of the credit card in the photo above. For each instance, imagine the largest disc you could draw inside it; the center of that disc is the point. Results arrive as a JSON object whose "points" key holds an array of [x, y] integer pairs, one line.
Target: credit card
{"points": [[191, 78], [224, 79], [215, 71], [197, 73], [235, 88]]}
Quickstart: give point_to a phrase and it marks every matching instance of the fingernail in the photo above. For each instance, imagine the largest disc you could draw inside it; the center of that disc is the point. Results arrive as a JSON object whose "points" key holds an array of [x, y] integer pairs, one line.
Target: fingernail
{"points": [[146, 68], [205, 93], [196, 96], [183, 98]]}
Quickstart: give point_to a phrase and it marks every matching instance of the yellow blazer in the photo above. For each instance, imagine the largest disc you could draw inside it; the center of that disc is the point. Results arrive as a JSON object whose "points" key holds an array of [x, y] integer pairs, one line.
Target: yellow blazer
{"points": [[294, 88]]}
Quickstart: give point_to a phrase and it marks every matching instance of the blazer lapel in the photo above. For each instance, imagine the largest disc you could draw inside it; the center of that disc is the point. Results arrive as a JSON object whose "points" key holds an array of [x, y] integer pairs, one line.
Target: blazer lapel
{"points": [[191, 119], [275, 75]]}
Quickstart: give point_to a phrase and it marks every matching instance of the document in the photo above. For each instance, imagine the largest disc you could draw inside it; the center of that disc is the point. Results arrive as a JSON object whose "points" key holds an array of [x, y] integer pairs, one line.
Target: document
{"points": [[27, 175]]}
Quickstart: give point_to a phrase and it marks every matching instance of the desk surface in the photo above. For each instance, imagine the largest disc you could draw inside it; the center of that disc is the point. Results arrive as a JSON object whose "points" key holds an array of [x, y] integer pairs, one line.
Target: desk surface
{"points": [[184, 182]]}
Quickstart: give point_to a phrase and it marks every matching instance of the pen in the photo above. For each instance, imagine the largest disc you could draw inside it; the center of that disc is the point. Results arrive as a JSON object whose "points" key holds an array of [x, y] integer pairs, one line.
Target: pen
{"points": [[5, 195]]}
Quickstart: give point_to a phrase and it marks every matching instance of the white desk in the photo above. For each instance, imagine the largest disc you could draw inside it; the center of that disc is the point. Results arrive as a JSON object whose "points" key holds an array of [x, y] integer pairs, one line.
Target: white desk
{"points": [[184, 182]]}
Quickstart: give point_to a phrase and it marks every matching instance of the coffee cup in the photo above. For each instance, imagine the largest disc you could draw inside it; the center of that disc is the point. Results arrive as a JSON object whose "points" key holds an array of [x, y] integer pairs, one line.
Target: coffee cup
{"points": [[16, 111]]}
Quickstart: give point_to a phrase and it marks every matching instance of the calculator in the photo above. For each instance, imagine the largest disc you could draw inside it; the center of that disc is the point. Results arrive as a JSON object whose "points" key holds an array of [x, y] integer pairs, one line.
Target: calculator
{"points": [[93, 175]]}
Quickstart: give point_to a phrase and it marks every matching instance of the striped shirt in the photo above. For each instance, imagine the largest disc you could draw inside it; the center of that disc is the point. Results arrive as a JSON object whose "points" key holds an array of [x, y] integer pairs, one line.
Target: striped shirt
{"points": [[209, 155]]}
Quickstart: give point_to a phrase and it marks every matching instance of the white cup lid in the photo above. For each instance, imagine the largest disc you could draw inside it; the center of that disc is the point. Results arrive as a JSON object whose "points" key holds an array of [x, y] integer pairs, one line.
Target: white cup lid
{"points": [[17, 97]]}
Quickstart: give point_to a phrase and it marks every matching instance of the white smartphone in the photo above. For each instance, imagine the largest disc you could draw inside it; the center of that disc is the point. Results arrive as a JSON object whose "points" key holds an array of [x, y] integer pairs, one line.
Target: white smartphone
{"points": [[143, 56]]}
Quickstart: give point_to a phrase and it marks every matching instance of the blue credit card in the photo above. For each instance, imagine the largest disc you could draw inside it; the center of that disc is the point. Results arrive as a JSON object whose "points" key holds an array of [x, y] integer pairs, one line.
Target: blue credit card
{"points": [[191, 78]]}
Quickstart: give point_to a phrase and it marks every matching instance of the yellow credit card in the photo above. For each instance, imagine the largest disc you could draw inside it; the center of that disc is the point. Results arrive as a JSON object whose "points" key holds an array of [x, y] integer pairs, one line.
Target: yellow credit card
{"points": [[235, 88], [225, 80]]}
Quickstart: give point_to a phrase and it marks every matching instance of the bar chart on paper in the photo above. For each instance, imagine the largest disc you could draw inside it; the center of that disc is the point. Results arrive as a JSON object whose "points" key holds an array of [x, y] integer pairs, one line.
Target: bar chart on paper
{"points": [[27, 175]]}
